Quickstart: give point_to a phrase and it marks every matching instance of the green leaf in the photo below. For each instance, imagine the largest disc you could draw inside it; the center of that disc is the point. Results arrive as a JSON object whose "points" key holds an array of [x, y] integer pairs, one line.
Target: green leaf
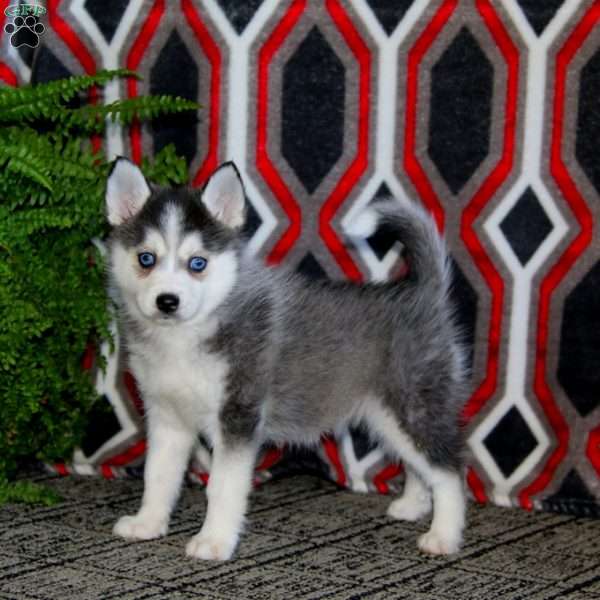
{"points": [[19, 160], [26, 491]]}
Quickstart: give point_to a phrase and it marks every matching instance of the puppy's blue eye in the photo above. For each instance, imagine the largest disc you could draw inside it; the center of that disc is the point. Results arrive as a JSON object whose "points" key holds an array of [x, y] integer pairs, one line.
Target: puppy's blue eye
{"points": [[197, 264], [146, 259]]}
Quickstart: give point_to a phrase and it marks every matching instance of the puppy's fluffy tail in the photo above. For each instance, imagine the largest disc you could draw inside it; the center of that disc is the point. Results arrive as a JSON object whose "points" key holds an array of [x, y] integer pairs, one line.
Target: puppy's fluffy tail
{"points": [[429, 266]]}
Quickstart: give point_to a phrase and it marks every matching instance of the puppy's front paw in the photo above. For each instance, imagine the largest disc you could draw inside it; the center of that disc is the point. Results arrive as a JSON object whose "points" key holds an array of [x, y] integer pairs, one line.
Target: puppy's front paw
{"points": [[140, 527], [433, 542], [210, 547]]}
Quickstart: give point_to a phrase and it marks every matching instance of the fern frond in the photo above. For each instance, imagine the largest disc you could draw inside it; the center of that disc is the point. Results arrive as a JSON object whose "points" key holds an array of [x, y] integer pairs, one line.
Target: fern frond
{"points": [[37, 100], [20, 159], [90, 118], [167, 168]]}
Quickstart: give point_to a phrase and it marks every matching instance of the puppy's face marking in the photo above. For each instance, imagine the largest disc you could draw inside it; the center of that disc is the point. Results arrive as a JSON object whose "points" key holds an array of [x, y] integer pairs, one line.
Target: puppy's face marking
{"points": [[173, 253]]}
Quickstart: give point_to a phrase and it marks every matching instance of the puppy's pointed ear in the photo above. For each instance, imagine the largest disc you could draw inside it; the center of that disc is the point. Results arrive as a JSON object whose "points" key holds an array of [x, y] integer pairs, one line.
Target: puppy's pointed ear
{"points": [[126, 191], [224, 196]]}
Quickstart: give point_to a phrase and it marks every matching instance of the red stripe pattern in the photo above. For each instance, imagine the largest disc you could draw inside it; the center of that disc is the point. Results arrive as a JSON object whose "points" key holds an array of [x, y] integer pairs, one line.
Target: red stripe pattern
{"points": [[264, 163], [577, 204]]}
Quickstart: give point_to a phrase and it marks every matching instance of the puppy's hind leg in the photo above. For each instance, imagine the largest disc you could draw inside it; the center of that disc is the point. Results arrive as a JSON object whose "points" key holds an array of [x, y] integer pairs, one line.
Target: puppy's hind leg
{"points": [[415, 501], [449, 507]]}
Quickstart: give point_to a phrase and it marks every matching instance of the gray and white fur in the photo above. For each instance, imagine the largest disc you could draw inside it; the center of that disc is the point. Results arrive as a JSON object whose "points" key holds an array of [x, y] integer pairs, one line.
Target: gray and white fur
{"points": [[242, 354]]}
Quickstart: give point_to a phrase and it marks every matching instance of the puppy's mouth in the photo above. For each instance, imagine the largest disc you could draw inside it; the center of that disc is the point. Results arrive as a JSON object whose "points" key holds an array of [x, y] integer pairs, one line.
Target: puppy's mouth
{"points": [[167, 320], [171, 319], [162, 319]]}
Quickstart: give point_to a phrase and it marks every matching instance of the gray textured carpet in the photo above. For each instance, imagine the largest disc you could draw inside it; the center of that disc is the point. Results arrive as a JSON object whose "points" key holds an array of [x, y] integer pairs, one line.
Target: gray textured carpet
{"points": [[305, 539]]}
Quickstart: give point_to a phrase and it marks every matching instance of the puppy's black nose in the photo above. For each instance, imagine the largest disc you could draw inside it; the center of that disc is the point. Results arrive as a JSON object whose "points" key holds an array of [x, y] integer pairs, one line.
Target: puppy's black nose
{"points": [[167, 303]]}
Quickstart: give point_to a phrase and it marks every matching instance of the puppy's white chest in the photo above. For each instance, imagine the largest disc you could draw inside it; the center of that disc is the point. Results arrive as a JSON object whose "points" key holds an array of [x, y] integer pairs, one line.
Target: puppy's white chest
{"points": [[179, 376]]}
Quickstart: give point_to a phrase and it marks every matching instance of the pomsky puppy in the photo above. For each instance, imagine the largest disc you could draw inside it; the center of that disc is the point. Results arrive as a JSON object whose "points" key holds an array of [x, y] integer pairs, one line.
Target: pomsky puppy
{"points": [[241, 353]]}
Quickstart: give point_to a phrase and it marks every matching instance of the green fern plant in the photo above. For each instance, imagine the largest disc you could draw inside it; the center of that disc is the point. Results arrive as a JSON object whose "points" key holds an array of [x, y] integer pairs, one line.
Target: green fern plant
{"points": [[52, 297]]}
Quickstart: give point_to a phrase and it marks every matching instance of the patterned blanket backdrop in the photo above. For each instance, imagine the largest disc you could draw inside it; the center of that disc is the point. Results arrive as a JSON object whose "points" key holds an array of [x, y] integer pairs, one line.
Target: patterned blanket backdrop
{"points": [[486, 111]]}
